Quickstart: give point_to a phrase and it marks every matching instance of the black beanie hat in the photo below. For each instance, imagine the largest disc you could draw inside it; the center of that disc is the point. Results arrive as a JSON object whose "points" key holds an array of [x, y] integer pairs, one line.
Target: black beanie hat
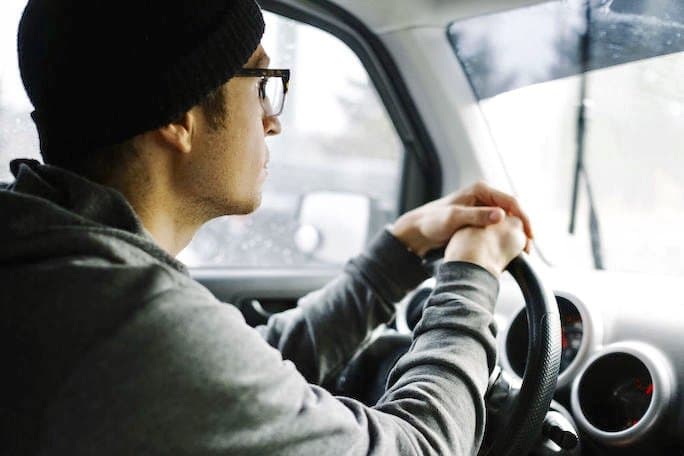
{"points": [[99, 72]]}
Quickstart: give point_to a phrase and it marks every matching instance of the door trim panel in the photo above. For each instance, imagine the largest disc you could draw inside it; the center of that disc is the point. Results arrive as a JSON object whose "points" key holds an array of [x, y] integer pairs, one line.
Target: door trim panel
{"points": [[236, 285]]}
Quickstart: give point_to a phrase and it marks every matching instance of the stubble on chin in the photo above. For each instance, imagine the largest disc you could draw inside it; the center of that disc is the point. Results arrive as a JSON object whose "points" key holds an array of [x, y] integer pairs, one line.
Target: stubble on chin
{"points": [[242, 207]]}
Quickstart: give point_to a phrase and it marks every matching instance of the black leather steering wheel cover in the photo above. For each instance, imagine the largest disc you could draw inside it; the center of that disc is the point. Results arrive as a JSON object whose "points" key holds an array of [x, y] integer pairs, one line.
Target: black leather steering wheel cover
{"points": [[522, 429]]}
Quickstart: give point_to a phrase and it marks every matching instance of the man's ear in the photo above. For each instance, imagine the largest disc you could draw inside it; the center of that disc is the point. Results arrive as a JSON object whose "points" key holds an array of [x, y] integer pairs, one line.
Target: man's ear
{"points": [[178, 134]]}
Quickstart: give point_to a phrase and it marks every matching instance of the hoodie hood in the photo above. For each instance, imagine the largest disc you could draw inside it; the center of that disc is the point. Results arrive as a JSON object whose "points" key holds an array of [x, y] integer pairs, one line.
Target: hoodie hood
{"points": [[49, 203], [75, 265]]}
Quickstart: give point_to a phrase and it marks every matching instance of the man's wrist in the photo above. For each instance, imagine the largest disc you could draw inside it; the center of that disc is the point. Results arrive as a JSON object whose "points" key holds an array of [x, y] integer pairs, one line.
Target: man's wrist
{"points": [[453, 275], [409, 235], [474, 252], [488, 266], [399, 269]]}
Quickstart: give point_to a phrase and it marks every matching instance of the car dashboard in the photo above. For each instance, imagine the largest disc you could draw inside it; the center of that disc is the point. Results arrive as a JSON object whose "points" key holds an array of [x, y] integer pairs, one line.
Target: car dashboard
{"points": [[622, 362]]}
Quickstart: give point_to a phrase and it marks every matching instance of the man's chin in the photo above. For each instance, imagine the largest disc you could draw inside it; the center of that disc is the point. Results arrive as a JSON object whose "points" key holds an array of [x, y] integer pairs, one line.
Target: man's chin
{"points": [[245, 207]]}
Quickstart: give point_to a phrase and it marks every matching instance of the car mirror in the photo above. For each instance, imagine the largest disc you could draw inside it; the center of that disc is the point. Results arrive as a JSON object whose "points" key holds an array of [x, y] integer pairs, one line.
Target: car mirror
{"points": [[333, 225]]}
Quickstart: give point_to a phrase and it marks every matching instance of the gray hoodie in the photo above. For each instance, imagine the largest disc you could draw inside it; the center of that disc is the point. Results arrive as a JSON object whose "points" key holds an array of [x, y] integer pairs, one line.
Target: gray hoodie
{"points": [[110, 347]]}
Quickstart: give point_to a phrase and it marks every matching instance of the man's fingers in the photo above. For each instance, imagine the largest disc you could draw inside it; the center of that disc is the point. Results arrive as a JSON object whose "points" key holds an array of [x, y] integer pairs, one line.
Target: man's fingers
{"points": [[495, 215], [481, 194], [528, 246], [447, 200], [515, 222], [487, 196], [474, 216]]}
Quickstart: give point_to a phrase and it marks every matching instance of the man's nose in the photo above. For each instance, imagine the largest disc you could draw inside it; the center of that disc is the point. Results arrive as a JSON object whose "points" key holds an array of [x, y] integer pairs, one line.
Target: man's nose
{"points": [[272, 126]]}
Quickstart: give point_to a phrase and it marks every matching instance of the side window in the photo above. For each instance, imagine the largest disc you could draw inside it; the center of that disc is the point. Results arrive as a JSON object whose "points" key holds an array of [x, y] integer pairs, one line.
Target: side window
{"points": [[18, 137], [334, 172]]}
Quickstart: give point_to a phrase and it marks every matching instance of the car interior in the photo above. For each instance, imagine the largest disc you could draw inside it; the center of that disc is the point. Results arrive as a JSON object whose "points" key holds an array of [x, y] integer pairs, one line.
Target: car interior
{"points": [[574, 106]]}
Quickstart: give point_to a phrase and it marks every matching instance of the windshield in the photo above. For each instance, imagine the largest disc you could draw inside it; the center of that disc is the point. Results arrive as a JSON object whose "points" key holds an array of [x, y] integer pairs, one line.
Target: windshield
{"points": [[588, 122]]}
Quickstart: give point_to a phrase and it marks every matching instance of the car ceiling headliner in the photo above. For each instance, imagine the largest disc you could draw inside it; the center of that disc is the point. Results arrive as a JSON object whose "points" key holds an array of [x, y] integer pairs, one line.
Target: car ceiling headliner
{"points": [[390, 15]]}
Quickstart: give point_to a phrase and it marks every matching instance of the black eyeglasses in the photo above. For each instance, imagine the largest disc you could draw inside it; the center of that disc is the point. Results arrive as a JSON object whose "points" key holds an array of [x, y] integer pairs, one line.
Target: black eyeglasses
{"points": [[272, 87]]}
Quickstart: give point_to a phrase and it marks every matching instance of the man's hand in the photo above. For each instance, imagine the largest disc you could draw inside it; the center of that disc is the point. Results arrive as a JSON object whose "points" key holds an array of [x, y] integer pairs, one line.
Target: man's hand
{"points": [[431, 226], [492, 247]]}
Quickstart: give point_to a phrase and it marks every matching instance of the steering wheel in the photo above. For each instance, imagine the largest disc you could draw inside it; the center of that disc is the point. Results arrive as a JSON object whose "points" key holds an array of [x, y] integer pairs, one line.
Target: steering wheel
{"points": [[514, 415]]}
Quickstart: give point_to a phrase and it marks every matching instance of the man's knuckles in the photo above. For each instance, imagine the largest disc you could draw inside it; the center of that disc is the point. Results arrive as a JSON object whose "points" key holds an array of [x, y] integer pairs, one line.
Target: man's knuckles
{"points": [[512, 238]]}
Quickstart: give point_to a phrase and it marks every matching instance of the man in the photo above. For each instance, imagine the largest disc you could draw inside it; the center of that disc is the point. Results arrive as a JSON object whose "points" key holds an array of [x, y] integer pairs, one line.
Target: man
{"points": [[152, 119]]}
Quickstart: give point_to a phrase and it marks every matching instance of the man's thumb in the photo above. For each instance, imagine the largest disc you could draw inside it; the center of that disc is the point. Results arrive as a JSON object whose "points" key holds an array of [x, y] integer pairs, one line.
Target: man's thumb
{"points": [[477, 216], [495, 215]]}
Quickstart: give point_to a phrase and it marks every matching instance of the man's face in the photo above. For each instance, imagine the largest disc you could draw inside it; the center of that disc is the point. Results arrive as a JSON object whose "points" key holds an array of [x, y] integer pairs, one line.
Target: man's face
{"points": [[230, 166]]}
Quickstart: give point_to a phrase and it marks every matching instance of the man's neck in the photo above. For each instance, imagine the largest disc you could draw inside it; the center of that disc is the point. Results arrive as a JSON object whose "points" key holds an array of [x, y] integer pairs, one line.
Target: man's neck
{"points": [[168, 230], [164, 216]]}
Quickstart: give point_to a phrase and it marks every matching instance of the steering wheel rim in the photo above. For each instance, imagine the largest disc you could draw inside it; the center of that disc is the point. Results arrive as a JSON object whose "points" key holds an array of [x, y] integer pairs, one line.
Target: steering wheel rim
{"points": [[526, 409], [534, 397]]}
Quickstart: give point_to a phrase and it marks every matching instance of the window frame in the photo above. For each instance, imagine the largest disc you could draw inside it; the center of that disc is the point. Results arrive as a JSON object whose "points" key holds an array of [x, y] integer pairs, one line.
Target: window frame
{"points": [[421, 173]]}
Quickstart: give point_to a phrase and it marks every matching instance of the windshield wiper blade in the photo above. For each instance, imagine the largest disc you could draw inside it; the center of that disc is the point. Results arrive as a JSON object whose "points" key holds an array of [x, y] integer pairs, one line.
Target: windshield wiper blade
{"points": [[580, 167], [594, 228]]}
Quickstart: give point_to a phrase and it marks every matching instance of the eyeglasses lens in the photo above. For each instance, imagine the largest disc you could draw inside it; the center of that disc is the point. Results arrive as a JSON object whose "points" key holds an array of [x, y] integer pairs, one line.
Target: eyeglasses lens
{"points": [[275, 96]]}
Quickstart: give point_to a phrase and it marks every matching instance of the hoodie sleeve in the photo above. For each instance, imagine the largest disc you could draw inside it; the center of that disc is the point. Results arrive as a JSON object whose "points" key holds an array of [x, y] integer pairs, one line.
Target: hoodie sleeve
{"points": [[322, 333], [187, 376]]}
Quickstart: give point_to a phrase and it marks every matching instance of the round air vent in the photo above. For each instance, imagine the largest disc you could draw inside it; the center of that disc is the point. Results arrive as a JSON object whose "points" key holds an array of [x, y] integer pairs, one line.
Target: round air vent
{"points": [[615, 392], [621, 393], [574, 326]]}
